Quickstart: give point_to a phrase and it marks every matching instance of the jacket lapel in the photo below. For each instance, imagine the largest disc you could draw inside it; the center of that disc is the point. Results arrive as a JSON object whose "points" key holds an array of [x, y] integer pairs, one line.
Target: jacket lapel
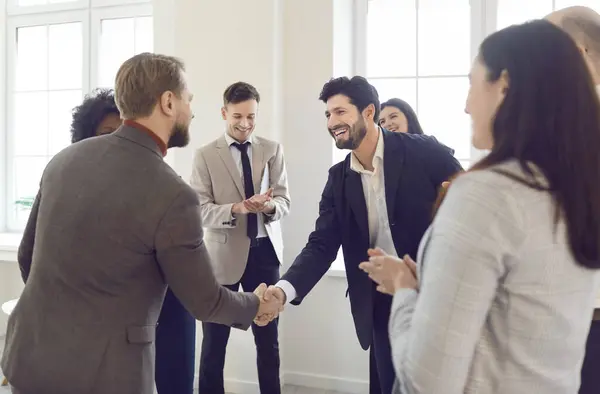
{"points": [[393, 163], [356, 198], [225, 155]]}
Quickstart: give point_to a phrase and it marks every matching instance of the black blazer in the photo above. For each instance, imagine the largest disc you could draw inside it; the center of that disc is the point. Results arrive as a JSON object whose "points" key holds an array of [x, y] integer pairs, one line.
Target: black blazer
{"points": [[414, 168]]}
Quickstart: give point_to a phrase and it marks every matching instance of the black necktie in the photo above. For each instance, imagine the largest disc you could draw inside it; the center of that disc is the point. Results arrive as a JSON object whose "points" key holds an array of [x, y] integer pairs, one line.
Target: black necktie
{"points": [[252, 229]]}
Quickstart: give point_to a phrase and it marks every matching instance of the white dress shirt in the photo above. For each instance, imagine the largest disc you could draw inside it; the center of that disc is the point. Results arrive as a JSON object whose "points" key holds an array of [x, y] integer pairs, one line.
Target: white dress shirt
{"points": [[237, 159], [373, 182]]}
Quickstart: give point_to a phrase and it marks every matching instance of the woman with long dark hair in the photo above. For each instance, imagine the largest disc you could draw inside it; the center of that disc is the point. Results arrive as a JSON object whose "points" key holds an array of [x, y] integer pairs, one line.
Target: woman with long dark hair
{"points": [[398, 116], [502, 299]]}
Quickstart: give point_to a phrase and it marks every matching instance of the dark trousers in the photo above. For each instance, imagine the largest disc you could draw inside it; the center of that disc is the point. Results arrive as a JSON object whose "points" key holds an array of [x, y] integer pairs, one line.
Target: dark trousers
{"points": [[175, 348], [381, 368], [590, 372], [262, 267]]}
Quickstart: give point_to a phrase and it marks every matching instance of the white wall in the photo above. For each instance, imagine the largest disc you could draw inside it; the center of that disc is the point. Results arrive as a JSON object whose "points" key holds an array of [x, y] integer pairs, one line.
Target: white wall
{"points": [[286, 49]]}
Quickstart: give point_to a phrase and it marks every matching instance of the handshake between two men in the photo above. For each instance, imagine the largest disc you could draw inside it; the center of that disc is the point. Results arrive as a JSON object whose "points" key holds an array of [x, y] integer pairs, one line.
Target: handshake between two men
{"points": [[272, 300]]}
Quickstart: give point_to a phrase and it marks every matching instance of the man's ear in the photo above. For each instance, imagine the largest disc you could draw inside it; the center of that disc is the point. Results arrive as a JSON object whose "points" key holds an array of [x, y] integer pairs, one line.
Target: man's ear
{"points": [[166, 103], [369, 112], [224, 113]]}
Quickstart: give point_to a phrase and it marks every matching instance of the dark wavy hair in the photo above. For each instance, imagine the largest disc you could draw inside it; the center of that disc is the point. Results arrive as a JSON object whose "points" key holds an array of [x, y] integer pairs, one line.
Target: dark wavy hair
{"points": [[88, 116], [240, 92], [550, 116], [414, 126], [358, 90]]}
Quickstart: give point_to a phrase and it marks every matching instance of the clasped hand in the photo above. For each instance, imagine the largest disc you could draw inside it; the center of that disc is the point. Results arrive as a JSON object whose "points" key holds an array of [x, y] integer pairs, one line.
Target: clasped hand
{"points": [[272, 300], [258, 203], [390, 273]]}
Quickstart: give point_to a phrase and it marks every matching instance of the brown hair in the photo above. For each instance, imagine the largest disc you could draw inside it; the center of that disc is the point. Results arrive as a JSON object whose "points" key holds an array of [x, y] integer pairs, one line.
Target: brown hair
{"points": [[240, 92], [141, 81], [550, 117]]}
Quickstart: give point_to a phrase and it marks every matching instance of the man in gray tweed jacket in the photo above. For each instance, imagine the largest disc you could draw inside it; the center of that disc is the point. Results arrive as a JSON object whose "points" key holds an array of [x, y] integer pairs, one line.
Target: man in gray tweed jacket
{"points": [[112, 225]]}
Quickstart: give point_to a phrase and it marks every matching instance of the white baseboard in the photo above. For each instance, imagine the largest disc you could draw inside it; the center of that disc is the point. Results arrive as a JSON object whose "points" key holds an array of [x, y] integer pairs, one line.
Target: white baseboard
{"points": [[323, 382], [236, 386]]}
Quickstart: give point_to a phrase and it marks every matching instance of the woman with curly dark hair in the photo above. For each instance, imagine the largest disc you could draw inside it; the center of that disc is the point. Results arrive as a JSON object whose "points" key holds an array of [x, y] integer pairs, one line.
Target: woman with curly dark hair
{"points": [[97, 115]]}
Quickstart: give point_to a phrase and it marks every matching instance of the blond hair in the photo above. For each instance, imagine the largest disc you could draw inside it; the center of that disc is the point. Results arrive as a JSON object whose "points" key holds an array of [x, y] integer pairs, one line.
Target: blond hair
{"points": [[141, 81]]}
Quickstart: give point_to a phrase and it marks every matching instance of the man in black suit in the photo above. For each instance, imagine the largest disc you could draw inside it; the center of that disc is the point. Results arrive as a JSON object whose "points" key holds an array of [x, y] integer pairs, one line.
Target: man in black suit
{"points": [[381, 195]]}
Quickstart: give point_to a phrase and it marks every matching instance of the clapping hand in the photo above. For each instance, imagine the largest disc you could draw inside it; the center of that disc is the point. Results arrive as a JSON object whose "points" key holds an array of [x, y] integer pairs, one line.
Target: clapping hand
{"points": [[260, 202], [272, 300], [390, 273], [256, 204]]}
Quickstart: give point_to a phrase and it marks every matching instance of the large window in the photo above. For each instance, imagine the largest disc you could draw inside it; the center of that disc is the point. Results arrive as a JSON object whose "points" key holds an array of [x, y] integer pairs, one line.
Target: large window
{"points": [[406, 55], [57, 51], [421, 51]]}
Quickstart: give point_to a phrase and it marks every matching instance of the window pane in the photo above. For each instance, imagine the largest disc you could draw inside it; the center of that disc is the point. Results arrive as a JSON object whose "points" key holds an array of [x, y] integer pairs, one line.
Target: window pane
{"points": [[32, 58], [31, 123], [391, 38], [65, 55], [144, 34], [405, 89], [511, 12], [465, 164], [442, 112], [28, 173], [117, 44], [60, 117], [448, 53]]}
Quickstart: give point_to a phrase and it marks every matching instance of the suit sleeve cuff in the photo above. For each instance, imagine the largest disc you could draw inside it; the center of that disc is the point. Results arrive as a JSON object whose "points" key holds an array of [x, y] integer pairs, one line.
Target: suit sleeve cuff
{"points": [[288, 289], [269, 217]]}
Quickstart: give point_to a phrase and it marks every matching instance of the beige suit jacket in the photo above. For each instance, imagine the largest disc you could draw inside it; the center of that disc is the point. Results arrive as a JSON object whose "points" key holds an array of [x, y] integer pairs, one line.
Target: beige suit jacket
{"points": [[218, 183], [112, 225]]}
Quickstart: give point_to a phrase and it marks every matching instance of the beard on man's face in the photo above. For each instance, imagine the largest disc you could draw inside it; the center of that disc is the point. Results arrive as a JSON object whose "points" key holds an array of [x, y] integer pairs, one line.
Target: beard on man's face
{"points": [[180, 136], [356, 133]]}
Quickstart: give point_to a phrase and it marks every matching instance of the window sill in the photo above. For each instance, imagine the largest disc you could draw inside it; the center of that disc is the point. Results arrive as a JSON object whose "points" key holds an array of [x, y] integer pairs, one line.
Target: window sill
{"points": [[9, 243]]}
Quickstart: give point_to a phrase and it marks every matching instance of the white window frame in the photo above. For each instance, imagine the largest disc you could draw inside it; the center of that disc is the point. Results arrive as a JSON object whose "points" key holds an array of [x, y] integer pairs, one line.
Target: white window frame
{"points": [[3, 120], [12, 7], [113, 12], [89, 13], [14, 23]]}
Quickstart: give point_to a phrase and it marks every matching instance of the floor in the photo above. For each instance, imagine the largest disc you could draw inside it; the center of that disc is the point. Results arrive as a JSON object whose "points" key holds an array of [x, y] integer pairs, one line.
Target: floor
{"points": [[286, 390]]}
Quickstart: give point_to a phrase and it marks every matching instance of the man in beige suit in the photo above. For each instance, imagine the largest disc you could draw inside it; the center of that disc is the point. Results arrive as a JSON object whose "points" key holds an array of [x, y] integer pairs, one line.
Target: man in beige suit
{"points": [[112, 225], [241, 182]]}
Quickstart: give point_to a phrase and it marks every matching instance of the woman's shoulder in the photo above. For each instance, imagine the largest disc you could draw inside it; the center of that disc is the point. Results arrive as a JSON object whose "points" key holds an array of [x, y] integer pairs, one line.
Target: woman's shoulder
{"points": [[509, 177]]}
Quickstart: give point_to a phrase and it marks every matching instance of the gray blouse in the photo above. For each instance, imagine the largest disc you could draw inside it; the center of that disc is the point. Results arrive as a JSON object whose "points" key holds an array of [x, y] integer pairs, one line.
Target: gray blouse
{"points": [[503, 308]]}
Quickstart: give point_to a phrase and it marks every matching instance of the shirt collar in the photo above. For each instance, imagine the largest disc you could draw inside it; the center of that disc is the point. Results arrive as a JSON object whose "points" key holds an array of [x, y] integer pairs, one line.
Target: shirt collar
{"points": [[161, 144], [230, 141], [355, 164]]}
